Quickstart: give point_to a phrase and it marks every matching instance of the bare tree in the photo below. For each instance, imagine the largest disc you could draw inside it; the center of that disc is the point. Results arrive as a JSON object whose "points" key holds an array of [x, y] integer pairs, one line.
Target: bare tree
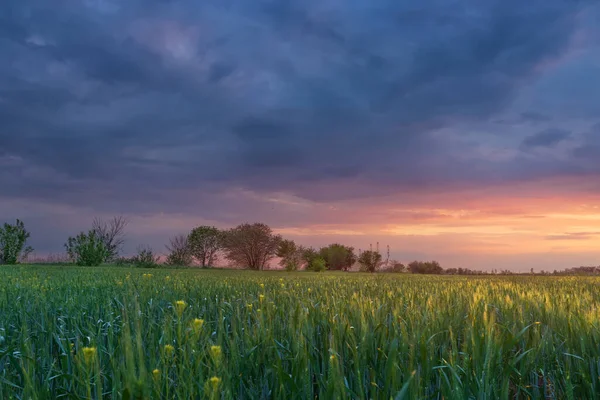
{"points": [[112, 233], [179, 251], [251, 245]]}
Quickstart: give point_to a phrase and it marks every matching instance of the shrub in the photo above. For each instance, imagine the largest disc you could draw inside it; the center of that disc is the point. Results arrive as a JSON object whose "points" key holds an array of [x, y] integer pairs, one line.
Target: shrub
{"points": [[398, 267], [12, 243], [425, 267], [180, 253], [317, 264], [123, 261], [87, 249], [145, 258], [112, 233]]}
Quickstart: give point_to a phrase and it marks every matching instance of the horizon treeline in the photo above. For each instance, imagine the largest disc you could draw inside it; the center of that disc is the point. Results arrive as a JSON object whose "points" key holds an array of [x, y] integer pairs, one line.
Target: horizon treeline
{"points": [[249, 245]]}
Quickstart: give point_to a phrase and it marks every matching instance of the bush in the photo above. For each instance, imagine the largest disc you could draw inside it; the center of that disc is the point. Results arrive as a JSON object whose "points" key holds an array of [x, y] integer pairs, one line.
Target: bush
{"points": [[123, 261], [145, 258], [317, 264], [87, 249], [12, 243], [427, 267], [398, 267], [180, 253]]}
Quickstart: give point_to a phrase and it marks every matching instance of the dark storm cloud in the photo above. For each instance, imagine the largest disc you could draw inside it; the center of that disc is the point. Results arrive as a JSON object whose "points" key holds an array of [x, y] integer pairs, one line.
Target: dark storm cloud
{"points": [[547, 138], [128, 102]]}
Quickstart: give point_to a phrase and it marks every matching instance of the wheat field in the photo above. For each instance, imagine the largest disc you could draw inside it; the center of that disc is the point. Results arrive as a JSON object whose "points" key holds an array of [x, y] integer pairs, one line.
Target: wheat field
{"points": [[118, 333]]}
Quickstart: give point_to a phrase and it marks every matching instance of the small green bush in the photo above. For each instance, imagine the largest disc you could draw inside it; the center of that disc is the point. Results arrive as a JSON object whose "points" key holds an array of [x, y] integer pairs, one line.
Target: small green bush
{"points": [[317, 264], [12, 243], [145, 258], [87, 249]]}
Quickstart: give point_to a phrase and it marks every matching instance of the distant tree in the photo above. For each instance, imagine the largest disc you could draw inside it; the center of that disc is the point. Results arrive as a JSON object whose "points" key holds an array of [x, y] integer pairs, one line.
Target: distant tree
{"points": [[291, 254], [397, 266], [13, 240], [428, 267], [112, 234], [145, 258], [179, 251], [370, 260], [251, 245], [317, 264], [309, 254], [87, 249], [205, 243], [338, 256]]}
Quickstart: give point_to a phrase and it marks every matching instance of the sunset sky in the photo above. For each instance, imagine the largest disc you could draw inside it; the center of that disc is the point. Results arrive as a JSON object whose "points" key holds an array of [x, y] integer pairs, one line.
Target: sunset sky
{"points": [[462, 131]]}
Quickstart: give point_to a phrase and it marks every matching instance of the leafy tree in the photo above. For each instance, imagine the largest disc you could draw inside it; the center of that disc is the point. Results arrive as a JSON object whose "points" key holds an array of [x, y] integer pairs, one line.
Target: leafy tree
{"points": [[145, 258], [338, 256], [370, 260], [204, 243], [13, 239], [112, 234], [291, 255], [87, 249], [427, 267], [317, 264], [251, 245], [179, 251]]}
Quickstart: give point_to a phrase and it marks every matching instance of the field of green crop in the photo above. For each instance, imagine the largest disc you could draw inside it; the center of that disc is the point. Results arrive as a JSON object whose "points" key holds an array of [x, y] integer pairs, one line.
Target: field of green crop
{"points": [[69, 332]]}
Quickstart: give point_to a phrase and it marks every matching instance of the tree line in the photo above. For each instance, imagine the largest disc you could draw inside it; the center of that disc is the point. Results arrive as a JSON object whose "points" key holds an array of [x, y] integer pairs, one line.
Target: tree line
{"points": [[248, 245]]}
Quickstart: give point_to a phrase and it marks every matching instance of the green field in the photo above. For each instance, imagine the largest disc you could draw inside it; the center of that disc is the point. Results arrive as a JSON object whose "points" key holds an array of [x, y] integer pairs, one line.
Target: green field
{"points": [[68, 332]]}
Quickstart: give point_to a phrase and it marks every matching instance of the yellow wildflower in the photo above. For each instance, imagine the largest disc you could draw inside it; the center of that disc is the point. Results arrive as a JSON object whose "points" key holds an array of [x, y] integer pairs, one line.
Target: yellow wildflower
{"points": [[261, 297], [216, 353], [156, 374], [169, 349], [89, 353], [249, 307], [198, 323], [180, 306], [215, 382]]}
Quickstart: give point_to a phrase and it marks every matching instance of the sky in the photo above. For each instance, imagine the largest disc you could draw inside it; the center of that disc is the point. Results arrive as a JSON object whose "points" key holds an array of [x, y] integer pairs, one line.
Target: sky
{"points": [[462, 131]]}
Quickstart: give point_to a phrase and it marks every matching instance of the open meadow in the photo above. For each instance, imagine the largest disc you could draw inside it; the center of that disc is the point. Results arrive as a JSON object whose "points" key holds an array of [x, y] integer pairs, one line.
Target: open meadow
{"points": [[73, 332]]}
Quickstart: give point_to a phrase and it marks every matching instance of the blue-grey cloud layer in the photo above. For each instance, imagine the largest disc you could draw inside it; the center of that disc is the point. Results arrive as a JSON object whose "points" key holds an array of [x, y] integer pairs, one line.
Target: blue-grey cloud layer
{"points": [[120, 104]]}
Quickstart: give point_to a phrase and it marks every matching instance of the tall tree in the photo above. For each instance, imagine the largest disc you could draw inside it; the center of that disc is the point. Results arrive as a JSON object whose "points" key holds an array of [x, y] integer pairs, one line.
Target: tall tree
{"points": [[13, 240], [112, 234], [204, 243], [251, 245], [338, 256]]}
